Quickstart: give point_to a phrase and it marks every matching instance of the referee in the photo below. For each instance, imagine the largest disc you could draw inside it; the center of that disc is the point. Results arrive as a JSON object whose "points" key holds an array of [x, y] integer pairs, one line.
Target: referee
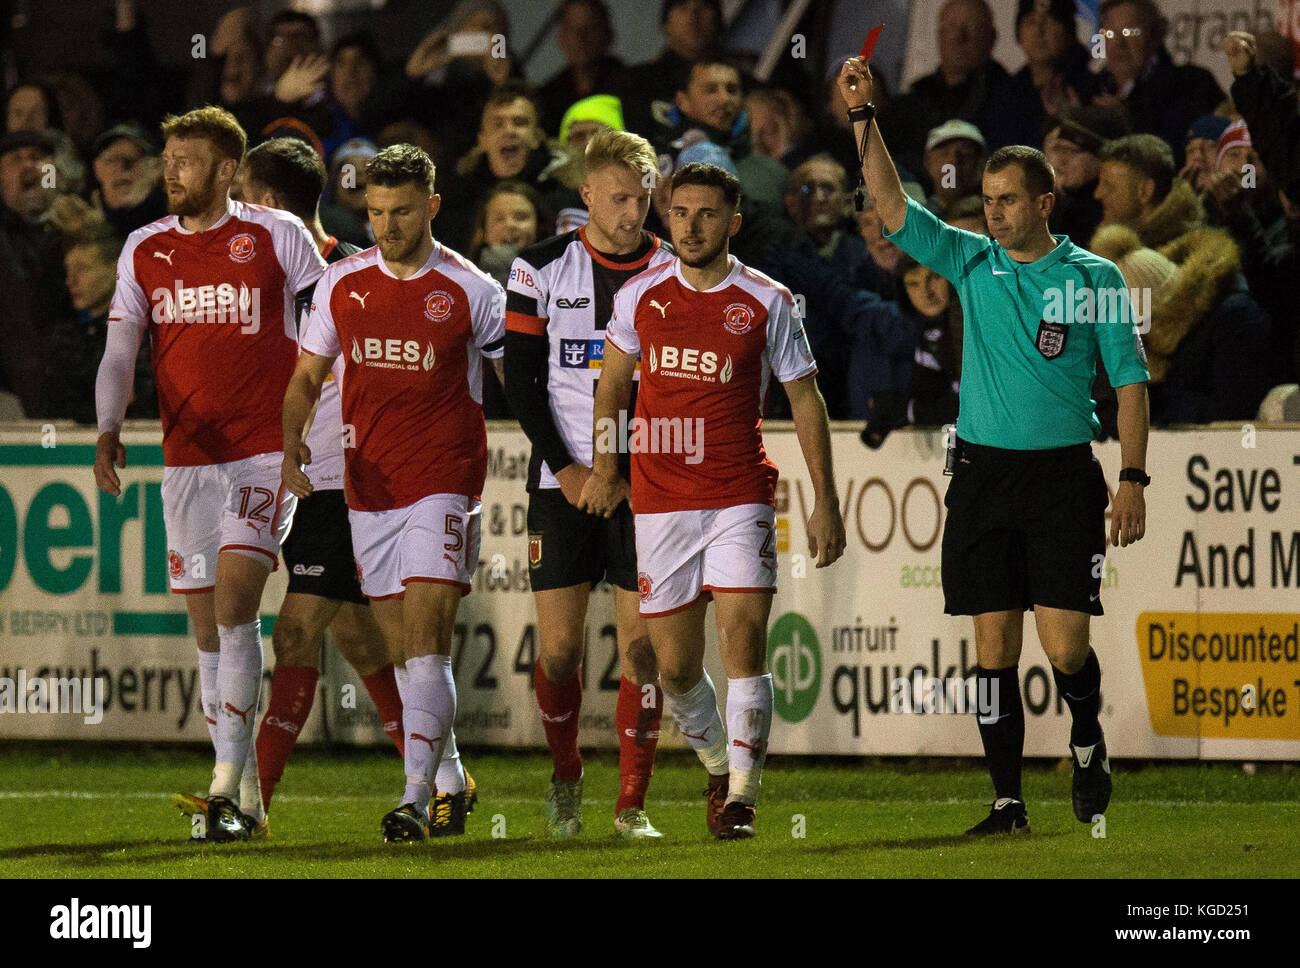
{"points": [[1026, 507]]}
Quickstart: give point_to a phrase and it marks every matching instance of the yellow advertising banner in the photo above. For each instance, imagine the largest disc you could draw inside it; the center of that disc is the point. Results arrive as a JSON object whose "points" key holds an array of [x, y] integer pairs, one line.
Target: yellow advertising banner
{"points": [[1227, 675]]}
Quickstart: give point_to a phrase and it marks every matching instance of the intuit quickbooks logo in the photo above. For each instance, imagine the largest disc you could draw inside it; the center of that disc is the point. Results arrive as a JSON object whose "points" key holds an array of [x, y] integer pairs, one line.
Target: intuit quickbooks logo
{"points": [[796, 664]]}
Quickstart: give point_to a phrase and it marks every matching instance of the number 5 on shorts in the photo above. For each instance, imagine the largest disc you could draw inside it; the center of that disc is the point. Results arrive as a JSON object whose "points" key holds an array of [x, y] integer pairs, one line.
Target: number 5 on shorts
{"points": [[452, 528]]}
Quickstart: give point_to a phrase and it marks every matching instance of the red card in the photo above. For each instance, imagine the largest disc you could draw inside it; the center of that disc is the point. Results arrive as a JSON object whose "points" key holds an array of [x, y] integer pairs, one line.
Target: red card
{"points": [[869, 44]]}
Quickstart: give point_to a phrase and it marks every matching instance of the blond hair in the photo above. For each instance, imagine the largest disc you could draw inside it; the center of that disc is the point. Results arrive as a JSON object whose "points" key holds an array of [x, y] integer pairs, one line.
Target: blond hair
{"points": [[620, 148], [215, 124]]}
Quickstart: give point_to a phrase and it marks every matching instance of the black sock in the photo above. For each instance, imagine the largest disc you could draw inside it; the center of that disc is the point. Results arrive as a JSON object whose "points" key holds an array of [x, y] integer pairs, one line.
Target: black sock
{"points": [[1082, 693], [998, 693]]}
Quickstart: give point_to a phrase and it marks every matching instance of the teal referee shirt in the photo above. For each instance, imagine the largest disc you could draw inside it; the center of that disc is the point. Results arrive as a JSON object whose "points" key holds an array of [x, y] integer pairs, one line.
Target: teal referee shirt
{"points": [[1032, 334]]}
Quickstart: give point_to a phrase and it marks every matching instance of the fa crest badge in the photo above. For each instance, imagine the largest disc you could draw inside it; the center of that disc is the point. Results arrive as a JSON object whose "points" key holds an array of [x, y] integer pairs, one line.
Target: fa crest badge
{"points": [[1051, 339]]}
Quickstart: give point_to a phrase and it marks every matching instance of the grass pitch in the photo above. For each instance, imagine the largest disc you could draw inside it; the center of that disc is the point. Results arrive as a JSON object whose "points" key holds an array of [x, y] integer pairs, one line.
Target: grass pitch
{"points": [[105, 811]]}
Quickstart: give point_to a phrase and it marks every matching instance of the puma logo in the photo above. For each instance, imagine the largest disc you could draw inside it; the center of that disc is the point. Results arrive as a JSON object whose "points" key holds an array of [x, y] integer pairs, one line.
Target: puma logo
{"points": [[241, 713], [663, 310], [702, 737], [166, 258], [449, 557], [425, 739], [255, 527], [360, 299], [741, 743], [556, 719]]}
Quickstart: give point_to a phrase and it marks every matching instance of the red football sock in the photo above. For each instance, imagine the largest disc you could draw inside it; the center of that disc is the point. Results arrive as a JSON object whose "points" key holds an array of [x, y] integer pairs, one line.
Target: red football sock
{"points": [[638, 736], [382, 686], [293, 689], [560, 703]]}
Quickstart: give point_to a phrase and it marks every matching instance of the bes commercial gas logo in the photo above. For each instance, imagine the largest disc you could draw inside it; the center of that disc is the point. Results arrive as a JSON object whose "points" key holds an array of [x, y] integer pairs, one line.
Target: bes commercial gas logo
{"points": [[796, 664]]}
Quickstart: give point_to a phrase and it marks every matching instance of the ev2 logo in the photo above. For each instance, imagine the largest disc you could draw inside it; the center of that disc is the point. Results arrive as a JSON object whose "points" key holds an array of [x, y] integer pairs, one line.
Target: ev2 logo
{"points": [[582, 302]]}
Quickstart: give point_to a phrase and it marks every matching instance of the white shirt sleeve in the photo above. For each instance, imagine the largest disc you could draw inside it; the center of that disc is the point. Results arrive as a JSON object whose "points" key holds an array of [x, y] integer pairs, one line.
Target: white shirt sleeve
{"points": [[319, 334], [487, 317], [299, 257], [128, 317], [621, 329], [129, 300], [116, 376], [787, 342]]}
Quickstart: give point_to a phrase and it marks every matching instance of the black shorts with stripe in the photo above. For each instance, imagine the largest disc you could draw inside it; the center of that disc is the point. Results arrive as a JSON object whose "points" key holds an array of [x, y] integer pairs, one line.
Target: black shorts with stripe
{"points": [[568, 547], [318, 551], [1024, 528]]}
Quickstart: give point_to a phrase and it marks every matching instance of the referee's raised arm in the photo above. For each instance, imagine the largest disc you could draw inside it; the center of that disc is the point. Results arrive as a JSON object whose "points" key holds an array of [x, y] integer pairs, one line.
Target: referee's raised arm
{"points": [[883, 183]]}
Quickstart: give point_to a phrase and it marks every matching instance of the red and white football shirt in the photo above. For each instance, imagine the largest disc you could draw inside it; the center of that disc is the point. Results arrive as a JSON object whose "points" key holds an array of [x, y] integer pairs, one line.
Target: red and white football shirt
{"points": [[412, 391], [706, 357], [220, 310]]}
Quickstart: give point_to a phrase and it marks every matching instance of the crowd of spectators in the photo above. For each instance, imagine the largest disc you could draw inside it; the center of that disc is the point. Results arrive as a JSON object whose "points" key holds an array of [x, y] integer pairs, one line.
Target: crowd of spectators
{"points": [[1188, 188]]}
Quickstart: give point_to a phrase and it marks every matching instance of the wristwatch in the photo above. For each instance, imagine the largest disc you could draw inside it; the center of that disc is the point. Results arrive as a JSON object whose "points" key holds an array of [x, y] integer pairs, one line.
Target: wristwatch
{"points": [[1135, 475], [863, 112]]}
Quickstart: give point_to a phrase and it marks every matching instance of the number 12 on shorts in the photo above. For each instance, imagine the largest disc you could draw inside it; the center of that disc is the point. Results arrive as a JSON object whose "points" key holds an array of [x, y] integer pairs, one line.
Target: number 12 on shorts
{"points": [[245, 496]]}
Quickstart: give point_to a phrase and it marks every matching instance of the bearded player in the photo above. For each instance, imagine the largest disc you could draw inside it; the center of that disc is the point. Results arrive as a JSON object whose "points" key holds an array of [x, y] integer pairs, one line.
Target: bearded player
{"points": [[288, 174], [558, 301], [710, 332], [213, 283], [413, 321]]}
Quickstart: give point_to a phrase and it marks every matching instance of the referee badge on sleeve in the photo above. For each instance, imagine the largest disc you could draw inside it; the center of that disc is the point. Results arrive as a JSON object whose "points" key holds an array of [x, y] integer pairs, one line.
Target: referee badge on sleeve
{"points": [[1051, 339]]}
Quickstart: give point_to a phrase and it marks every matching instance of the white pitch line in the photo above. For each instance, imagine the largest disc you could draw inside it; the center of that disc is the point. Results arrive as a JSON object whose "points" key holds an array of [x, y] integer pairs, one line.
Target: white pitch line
{"points": [[290, 798], [285, 798]]}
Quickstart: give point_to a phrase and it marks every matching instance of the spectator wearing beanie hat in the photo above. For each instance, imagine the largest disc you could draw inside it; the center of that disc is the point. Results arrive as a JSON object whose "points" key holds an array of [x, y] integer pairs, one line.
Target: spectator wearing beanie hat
{"points": [[588, 117], [1072, 141], [1202, 149], [1233, 148], [1054, 77], [581, 122], [1241, 181]]}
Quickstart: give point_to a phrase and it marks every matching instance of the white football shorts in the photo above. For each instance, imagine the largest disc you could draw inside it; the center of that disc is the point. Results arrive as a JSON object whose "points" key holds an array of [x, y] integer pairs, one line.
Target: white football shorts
{"points": [[684, 554], [240, 506], [435, 539]]}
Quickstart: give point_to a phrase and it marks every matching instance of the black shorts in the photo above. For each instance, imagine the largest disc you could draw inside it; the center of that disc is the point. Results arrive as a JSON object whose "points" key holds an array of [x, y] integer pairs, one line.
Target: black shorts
{"points": [[568, 547], [1024, 528], [318, 551]]}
